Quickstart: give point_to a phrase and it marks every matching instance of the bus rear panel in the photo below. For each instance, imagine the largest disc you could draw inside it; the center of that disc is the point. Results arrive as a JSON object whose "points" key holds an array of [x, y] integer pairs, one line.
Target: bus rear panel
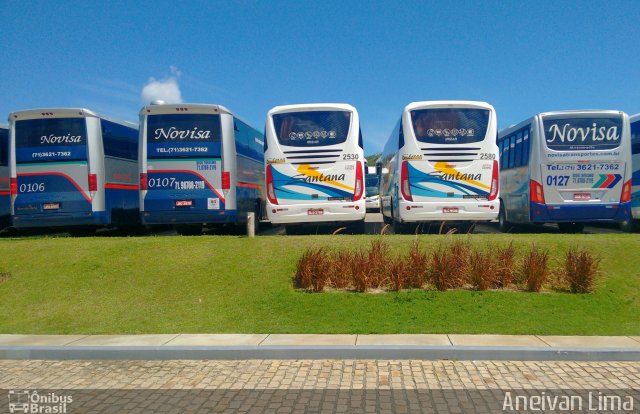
{"points": [[60, 175], [200, 165], [315, 165]]}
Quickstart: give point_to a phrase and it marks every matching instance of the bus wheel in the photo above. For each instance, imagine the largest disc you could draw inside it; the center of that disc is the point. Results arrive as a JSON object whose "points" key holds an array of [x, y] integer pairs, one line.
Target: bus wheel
{"points": [[189, 230], [358, 227], [503, 224], [629, 226], [398, 228], [292, 229], [570, 227]]}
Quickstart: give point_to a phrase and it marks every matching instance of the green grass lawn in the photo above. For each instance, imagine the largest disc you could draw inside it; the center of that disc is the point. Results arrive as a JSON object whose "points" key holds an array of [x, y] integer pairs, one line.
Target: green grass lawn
{"points": [[227, 284]]}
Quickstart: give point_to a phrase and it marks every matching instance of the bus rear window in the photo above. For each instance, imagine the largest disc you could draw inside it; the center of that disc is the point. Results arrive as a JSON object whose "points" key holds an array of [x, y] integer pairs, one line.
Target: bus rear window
{"points": [[450, 125], [51, 139], [578, 134], [183, 136], [312, 128]]}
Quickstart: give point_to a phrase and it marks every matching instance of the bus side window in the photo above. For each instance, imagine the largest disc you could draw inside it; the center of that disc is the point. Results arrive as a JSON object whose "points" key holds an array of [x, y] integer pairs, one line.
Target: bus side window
{"points": [[525, 147], [119, 141], [518, 154], [505, 153], [401, 136], [512, 151], [4, 147], [360, 139]]}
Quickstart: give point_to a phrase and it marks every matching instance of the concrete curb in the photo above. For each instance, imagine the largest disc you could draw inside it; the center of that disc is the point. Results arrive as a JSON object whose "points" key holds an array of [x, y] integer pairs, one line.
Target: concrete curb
{"points": [[318, 352]]}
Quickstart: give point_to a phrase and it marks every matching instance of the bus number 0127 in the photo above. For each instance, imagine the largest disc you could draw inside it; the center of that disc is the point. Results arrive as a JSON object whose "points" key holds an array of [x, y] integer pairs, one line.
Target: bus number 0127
{"points": [[558, 180]]}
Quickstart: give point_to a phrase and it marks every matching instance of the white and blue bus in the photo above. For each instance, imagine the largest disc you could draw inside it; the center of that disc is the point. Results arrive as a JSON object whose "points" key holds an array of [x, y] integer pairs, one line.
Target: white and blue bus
{"points": [[442, 163], [200, 166], [567, 167], [314, 166], [634, 223], [5, 200], [72, 168]]}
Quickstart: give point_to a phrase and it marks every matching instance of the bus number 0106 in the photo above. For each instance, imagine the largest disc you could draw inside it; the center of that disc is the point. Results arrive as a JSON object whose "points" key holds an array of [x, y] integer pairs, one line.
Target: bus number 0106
{"points": [[31, 188]]}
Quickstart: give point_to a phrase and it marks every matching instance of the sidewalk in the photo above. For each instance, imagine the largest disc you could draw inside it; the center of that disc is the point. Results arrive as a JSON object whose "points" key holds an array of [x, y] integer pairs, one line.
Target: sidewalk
{"points": [[285, 346]]}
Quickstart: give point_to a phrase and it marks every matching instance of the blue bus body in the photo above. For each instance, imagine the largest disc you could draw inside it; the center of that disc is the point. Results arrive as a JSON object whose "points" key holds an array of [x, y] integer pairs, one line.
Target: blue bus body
{"points": [[5, 200], [635, 162], [200, 165], [72, 168]]}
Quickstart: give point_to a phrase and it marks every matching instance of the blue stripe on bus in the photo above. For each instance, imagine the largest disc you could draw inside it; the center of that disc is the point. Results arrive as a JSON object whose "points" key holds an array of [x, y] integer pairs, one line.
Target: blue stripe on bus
{"points": [[280, 181]]}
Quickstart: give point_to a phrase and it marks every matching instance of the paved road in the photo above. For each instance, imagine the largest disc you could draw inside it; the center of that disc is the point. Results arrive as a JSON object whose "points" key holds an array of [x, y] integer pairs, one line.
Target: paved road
{"points": [[283, 386]]}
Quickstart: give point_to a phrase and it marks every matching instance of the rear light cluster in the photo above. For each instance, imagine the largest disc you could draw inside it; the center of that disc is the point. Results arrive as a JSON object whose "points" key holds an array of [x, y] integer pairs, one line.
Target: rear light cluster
{"points": [[359, 187], [13, 186], [626, 192], [536, 192], [271, 192], [226, 180], [93, 182], [493, 193], [405, 187], [144, 182]]}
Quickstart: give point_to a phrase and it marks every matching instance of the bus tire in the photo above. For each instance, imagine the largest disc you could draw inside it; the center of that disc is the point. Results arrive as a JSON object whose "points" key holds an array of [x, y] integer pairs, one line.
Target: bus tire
{"points": [[629, 226], [570, 228], [503, 225], [82, 231]]}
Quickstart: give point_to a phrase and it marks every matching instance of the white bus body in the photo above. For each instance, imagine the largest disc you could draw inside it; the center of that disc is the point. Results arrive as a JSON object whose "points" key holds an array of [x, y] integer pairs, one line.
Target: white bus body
{"points": [[314, 165], [567, 167], [442, 164]]}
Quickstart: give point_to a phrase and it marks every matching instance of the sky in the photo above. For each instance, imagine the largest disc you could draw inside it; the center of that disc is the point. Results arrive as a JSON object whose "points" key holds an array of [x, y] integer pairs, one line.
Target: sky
{"points": [[523, 57]]}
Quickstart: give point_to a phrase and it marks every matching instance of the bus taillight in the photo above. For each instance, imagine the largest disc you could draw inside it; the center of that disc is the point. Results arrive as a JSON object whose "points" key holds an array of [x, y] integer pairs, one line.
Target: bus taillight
{"points": [[405, 188], [93, 182], [536, 192], [13, 186], [493, 193], [226, 180], [626, 192], [357, 195], [271, 192], [144, 182]]}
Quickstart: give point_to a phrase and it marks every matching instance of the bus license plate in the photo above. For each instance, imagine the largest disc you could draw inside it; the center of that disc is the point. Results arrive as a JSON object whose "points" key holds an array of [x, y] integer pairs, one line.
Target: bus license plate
{"points": [[315, 212], [184, 203], [51, 206], [582, 196], [449, 209]]}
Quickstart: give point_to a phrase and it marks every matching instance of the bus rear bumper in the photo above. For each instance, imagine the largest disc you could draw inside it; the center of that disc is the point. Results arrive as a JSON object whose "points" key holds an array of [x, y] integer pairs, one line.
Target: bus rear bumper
{"points": [[95, 218], [559, 213], [316, 213], [413, 212], [188, 217]]}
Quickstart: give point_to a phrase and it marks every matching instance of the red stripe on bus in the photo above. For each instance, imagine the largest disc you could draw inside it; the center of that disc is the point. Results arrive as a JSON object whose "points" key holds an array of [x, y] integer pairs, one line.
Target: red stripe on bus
{"points": [[121, 186], [4, 193], [207, 183], [248, 185], [61, 175]]}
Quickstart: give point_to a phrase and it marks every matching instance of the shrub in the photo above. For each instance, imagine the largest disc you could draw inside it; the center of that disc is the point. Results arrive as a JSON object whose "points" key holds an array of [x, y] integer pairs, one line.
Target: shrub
{"points": [[312, 270], [534, 269], [376, 262], [361, 280], [580, 270], [505, 266], [398, 273], [481, 271], [416, 267], [445, 269], [342, 269]]}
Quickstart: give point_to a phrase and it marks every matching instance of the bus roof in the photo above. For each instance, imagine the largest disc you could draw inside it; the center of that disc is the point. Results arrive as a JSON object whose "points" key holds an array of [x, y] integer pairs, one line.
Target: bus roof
{"points": [[634, 118], [186, 108], [446, 104], [5, 126], [311, 107], [64, 113]]}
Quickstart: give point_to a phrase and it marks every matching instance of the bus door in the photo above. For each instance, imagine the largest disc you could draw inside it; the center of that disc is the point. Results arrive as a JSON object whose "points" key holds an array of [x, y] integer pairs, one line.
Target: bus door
{"points": [[52, 175], [316, 167], [184, 164], [583, 166]]}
